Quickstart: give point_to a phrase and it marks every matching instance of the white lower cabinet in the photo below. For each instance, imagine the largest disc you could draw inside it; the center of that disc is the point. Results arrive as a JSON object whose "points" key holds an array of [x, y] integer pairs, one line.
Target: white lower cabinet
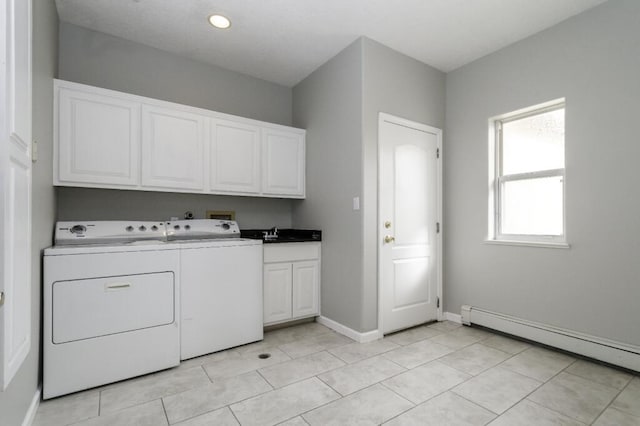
{"points": [[291, 281], [305, 288], [278, 285]]}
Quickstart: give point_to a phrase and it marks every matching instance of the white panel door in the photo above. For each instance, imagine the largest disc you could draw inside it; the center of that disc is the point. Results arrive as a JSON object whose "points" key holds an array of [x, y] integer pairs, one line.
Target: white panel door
{"points": [[234, 157], [15, 187], [305, 288], [173, 143], [98, 139], [408, 217], [277, 292], [284, 163]]}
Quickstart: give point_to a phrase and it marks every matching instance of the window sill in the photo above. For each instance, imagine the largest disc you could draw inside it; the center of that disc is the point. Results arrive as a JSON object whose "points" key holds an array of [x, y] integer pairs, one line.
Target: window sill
{"points": [[528, 244]]}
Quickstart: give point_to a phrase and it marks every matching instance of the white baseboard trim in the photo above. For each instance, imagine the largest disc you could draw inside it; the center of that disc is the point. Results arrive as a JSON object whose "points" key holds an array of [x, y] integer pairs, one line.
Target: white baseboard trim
{"points": [[33, 408], [609, 351], [359, 337], [450, 316]]}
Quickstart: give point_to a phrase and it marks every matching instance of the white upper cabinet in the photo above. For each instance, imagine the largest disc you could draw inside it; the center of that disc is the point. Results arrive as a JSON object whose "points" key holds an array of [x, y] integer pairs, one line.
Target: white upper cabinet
{"points": [[234, 157], [284, 162], [172, 149], [108, 139], [98, 139]]}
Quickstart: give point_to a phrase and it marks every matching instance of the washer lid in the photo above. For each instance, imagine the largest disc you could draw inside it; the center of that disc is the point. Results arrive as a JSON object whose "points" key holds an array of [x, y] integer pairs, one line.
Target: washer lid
{"points": [[108, 232]]}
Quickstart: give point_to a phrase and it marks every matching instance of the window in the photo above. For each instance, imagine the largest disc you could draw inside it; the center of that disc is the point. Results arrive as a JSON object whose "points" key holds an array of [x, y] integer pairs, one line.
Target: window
{"points": [[528, 176]]}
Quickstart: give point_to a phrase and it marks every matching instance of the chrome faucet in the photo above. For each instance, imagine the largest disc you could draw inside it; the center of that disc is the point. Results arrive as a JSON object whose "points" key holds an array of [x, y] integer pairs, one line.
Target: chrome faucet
{"points": [[271, 234]]}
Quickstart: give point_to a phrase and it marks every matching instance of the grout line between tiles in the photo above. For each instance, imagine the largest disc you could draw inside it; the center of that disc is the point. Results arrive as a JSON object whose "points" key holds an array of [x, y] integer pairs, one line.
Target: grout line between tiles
{"points": [[551, 409], [233, 413], [332, 388], [205, 373], [555, 411], [401, 366], [164, 409], [353, 393], [612, 400], [265, 379]]}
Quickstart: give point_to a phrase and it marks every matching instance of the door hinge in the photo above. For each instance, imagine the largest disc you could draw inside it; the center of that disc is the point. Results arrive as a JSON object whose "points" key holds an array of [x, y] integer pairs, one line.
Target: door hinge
{"points": [[437, 152], [437, 227], [1, 298], [437, 302]]}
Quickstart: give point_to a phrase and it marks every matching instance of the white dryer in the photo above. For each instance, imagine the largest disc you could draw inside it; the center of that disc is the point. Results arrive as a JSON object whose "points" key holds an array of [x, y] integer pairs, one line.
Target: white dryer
{"points": [[111, 304]]}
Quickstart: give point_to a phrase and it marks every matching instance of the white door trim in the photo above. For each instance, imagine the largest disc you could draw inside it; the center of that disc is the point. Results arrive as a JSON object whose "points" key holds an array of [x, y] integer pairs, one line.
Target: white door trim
{"points": [[384, 117]]}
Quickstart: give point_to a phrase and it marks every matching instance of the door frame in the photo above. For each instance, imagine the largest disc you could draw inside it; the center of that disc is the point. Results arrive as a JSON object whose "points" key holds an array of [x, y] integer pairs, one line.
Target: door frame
{"points": [[385, 117]]}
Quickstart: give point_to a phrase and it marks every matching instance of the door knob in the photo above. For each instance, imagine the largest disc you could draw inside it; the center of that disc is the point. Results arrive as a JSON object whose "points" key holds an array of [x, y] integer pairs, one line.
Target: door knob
{"points": [[388, 239]]}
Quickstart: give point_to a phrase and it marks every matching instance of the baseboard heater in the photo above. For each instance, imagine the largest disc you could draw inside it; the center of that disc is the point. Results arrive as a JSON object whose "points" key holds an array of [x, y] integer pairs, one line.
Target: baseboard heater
{"points": [[609, 351]]}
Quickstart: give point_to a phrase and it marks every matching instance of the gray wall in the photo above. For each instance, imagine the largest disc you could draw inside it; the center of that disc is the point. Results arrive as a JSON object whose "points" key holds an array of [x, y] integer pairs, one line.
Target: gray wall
{"points": [[328, 103], [395, 84], [111, 204], [338, 104], [593, 60], [102, 60], [15, 401]]}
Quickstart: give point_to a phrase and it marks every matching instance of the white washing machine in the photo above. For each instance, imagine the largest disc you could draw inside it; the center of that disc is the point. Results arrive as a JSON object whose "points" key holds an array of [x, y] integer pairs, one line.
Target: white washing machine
{"points": [[111, 304], [221, 280]]}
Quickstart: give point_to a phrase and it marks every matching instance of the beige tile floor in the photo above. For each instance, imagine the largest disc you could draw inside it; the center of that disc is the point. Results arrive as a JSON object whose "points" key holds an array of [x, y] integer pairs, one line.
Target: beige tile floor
{"points": [[436, 374]]}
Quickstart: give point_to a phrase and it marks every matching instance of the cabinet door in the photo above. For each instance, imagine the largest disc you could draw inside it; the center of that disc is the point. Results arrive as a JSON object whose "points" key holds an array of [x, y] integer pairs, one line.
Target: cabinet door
{"points": [[277, 292], [284, 163], [234, 157], [172, 148], [98, 139], [305, 288]]}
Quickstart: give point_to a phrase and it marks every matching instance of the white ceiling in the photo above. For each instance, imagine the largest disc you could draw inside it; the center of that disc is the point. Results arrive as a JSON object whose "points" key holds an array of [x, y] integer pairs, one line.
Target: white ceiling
{"points": [[283, 41]]}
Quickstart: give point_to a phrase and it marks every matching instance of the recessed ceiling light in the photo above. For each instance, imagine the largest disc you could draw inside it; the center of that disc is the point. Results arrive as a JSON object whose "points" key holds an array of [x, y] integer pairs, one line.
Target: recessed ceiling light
{"points": [[219, 21]]}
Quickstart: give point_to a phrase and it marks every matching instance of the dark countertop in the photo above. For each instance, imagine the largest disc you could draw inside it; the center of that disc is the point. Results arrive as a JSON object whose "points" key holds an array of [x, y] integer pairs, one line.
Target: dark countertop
{"points": [[284, 235]]}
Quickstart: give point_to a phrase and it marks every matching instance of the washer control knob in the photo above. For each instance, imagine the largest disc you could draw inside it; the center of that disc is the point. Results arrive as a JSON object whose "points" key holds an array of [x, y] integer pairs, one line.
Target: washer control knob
{"points": [[176, 227], [187, 227], [142, 228], [226, 226], [129, 228], [78, 229], [154, 228]]}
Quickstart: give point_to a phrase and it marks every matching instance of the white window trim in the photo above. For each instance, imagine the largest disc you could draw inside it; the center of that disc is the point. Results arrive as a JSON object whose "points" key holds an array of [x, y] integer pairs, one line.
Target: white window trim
{"points": [[496, 179]]}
